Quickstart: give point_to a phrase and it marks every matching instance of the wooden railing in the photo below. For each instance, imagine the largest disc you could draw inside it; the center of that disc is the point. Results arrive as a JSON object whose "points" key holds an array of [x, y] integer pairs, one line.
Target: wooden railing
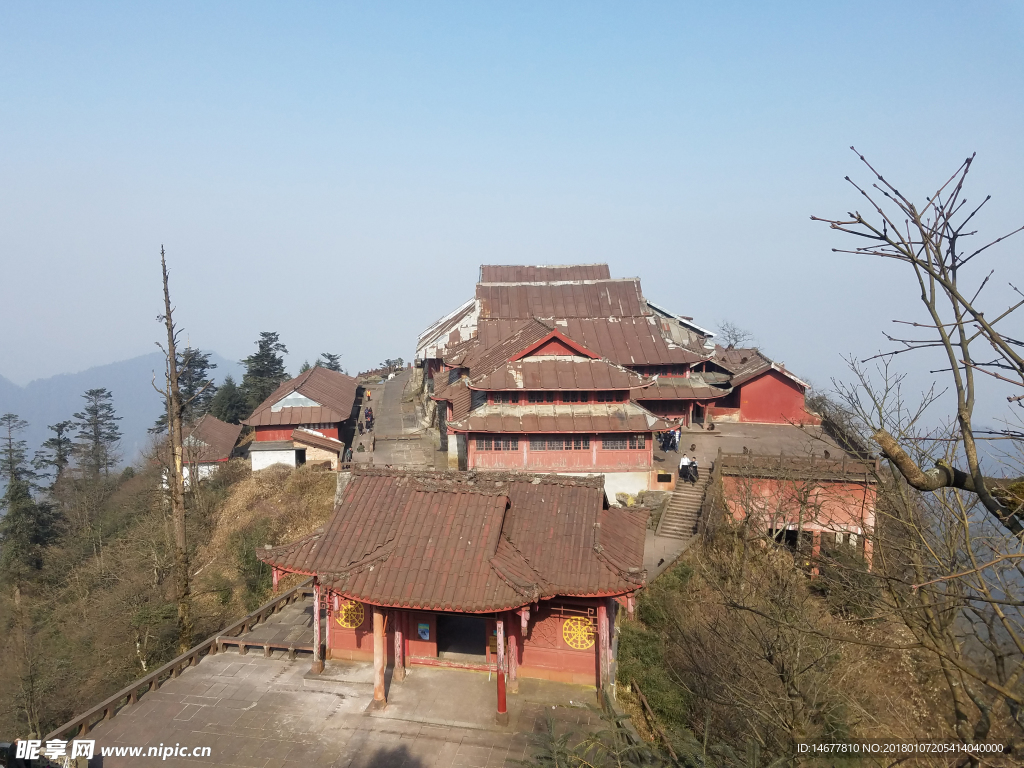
{"points": [[108, 708]]}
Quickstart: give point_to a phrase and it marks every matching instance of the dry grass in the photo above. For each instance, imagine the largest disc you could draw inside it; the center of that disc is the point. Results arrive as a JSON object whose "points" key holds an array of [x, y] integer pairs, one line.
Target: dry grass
{"points": [[274, 506]]}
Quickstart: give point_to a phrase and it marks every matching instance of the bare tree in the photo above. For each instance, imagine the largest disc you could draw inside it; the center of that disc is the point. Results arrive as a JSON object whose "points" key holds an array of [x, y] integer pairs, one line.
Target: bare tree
{"points": [[731, 335], [932, 241], [175, 474]]}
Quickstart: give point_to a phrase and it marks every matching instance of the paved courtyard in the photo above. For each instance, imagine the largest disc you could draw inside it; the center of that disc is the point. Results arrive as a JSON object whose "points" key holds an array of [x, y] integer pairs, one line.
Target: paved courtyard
{"points": [[271, 713]]}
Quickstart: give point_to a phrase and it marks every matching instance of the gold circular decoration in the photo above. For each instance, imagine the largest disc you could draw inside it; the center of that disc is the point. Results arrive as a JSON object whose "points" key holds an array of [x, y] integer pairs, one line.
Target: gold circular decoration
{"points": [[578, 633], [350, 615]]}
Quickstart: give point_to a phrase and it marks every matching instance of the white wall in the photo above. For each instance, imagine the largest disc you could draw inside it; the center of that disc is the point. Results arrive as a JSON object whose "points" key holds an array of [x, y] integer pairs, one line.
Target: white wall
{"points": [[264, 459]]}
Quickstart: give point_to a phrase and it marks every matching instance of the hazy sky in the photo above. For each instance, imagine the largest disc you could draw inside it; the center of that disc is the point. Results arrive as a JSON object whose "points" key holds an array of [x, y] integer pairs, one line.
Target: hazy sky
{"points": [[337, 172]]}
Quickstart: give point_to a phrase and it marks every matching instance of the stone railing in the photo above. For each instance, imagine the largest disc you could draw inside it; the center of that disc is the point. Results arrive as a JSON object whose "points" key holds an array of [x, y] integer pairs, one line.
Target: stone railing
{"points": [[108, 708]]}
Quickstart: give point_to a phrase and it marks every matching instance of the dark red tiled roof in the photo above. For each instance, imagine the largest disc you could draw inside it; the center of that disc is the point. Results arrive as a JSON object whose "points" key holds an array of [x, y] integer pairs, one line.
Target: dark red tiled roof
{"points": [[602, 298], [516, 273], [624, 341], [677, 388], [470, 542], [334, 392], [547, 373], [210, 440], [747, 364], [306, 437], [586, 418]]}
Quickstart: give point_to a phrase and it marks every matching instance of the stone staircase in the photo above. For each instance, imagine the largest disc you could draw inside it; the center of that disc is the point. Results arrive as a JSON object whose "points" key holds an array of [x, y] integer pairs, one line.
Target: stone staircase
{"points": [[679, 520]]}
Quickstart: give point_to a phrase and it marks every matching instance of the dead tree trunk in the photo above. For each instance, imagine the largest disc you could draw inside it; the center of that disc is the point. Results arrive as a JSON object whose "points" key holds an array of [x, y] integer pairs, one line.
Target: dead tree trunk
{"points": [[176, 478]]}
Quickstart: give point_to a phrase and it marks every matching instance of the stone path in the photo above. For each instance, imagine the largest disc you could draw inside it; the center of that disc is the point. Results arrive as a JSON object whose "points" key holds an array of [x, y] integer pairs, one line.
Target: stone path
{"points": [[398, 436]]}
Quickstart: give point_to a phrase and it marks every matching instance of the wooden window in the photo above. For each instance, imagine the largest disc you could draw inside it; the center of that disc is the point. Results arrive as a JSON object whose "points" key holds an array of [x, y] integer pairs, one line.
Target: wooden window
{"points": [[575, 397], [559, 443], [623, 442], [506, 397], [540, 397], [497, 443], [609, 396]]}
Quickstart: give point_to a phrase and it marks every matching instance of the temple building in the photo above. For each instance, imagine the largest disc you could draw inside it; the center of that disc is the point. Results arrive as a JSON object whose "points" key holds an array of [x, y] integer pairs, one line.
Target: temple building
{"points": [[518, 573], [565, 368], [307, 419], [208, 445]]}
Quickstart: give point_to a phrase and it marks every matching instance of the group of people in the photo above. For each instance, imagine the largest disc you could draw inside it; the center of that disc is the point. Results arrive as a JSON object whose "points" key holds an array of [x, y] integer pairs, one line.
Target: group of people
{"points": [[368, 418], [669, 440], [688, 471]]}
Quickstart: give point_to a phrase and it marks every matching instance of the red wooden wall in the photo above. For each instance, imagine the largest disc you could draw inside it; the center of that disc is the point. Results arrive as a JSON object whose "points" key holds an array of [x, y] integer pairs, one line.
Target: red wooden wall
{"points": [[774, 399], [285, 433]]}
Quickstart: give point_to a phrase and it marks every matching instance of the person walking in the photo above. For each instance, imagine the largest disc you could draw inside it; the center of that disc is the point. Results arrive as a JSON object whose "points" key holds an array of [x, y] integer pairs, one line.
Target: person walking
{"points": [[694, 471], [684, 468]]}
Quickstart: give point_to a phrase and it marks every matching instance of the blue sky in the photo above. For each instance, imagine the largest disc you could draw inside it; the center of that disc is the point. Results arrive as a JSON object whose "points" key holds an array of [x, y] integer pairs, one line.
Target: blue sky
{"points": [[337, 172]]}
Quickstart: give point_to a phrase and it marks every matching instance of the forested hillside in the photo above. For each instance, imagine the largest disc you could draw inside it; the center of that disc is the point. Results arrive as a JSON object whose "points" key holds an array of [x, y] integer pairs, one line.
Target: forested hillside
{"points": [[86, 584]]}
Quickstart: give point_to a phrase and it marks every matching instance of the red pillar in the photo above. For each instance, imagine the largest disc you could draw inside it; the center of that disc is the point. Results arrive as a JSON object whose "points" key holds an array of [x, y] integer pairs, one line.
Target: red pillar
{"points": [[380, 659], [502, 717], [275, 575], [318, 662], [399, 619]]}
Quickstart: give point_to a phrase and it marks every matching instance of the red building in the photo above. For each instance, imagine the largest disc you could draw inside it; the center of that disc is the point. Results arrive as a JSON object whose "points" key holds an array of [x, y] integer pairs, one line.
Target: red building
{"points": [[517, 573], [308, 418], [564, 368]]}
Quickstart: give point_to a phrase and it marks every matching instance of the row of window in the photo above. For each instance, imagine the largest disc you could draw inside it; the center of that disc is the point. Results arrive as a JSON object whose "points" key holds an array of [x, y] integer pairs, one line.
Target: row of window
{"points": [[569, 443], [559, 443], [567, 396]]}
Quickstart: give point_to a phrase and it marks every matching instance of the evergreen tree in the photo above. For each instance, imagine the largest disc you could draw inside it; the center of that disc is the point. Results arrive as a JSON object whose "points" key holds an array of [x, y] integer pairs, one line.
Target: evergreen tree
{"points": [[97, 433], [229, 403], [264, 370], [55, 453], [13, 451], [306, 366], [26, 527], [330, 362], [196, 386]]}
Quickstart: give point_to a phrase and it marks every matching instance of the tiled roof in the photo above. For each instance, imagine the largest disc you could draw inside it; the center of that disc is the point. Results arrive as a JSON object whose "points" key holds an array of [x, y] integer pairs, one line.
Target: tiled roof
{"points": [[210, 440], [446, 331], [484, 355], [624, 340], [516, 273], [560, 417], [561, 372], [747, 364], [334, 392], [677, 388], [470, 542], [306, 437], [601, 298]]}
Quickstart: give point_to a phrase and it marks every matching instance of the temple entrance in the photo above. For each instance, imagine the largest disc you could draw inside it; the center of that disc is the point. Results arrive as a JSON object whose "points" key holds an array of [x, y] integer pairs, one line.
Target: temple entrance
{"points": [[461, 638]]}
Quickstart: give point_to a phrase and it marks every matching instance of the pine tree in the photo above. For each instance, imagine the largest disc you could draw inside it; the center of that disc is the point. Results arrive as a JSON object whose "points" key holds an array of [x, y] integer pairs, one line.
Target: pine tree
{"points": [[264, 370], [25, 529], [229, 403], [97, 433], [55, 453], [26, 525], [330, 362], [306, 366], [197, 388], [13, 451]]}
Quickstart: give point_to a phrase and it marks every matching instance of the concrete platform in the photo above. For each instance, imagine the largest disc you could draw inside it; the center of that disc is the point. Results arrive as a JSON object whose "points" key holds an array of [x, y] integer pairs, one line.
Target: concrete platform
{"points": [[259, 712]]}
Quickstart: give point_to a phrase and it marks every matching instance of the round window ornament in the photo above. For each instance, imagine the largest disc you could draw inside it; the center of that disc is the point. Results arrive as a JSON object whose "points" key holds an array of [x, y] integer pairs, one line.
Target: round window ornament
{"points": [[350, 614], [578, 633]]}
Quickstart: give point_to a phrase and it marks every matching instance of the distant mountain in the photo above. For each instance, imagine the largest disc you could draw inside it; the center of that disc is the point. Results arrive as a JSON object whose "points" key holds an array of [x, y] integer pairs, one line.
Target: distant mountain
{"points": [[47, 401]]}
